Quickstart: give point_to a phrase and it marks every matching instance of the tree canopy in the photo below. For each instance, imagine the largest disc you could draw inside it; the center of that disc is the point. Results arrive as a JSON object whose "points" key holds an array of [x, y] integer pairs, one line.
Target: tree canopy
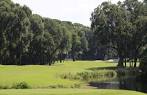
{"points": [[27, 38], [121, 27]]}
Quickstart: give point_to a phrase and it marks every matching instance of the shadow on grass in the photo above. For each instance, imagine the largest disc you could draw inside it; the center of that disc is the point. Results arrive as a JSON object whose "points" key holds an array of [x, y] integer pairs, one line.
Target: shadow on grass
{"points": [[103, 68]]}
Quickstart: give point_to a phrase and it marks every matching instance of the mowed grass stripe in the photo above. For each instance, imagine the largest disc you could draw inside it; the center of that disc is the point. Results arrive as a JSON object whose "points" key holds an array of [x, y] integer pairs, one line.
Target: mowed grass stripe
{"points": [[68, 92]]}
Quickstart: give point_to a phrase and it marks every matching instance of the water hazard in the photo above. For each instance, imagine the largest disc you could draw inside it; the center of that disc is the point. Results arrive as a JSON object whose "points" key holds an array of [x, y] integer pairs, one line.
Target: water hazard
{"points": [[136, 83]]}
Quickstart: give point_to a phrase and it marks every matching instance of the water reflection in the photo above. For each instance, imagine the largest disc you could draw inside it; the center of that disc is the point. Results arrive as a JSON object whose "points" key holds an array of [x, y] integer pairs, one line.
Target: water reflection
{"points": [[131, 83]]}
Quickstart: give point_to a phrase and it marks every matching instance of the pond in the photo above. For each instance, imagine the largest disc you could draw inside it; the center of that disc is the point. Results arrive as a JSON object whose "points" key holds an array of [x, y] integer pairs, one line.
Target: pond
{"points": [[135, 83]]}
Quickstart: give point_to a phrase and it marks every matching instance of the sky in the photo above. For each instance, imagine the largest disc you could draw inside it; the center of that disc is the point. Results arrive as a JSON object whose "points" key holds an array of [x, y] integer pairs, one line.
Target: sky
{"points": [[76, 11]]}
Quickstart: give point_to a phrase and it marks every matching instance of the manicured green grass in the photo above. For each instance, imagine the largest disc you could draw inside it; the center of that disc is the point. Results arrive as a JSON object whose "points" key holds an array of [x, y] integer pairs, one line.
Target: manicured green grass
{"points": [[45, 76], [68, 92]]}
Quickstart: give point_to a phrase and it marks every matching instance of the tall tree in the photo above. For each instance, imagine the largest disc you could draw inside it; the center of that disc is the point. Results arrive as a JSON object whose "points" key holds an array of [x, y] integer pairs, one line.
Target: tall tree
{"points": [[116, 26]]}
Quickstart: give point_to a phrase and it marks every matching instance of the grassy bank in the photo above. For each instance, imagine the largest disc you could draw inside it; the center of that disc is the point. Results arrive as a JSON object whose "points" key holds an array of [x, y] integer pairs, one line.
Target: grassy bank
{"points": [[68, 92], [50, 76]]}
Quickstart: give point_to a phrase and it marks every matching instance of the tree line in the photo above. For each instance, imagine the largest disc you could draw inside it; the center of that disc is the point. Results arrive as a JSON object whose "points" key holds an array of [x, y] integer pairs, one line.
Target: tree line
{"points": [[27, 38], [122, 29]]}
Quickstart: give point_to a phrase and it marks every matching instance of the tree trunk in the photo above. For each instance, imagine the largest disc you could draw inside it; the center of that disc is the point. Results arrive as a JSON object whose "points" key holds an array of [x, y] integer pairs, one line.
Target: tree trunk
{"points": [[120, 62], [135, 62], [74, 58], [20, 57], [125, 62]]}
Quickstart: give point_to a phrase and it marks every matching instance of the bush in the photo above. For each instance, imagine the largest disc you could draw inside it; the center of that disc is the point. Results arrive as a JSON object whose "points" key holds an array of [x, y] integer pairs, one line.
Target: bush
{"points": [[4, 87], [20, 85]]}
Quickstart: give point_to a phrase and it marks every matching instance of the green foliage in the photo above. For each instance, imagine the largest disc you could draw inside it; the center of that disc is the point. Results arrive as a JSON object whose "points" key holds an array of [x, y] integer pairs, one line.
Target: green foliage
{"points": [[121, 27], [27, 38], [143, 61], [20, 85]]}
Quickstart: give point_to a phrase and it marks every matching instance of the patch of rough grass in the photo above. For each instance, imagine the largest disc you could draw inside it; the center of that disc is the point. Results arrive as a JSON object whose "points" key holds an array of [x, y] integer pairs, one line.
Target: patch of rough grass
{"points": [[100, 75], [18, 85], [63, 86]]}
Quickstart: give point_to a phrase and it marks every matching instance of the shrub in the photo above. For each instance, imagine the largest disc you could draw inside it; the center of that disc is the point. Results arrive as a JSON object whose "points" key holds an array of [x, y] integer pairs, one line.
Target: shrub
{"points": [[4, 87], [20, 85]]}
